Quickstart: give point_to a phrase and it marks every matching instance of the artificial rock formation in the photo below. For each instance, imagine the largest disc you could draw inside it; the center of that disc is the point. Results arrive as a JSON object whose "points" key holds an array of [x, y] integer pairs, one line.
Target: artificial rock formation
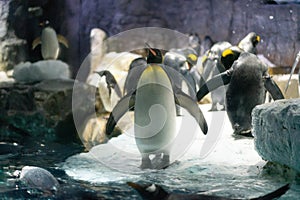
{"points": [[276, 129], [42, 109]]}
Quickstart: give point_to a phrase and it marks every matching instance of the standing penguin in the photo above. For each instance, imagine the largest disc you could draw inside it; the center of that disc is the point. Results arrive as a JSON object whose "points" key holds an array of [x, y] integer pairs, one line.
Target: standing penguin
{"points": [[156, 192], [212, 67], [248, 81], [154, 102], [49, 42], [111, 82]]}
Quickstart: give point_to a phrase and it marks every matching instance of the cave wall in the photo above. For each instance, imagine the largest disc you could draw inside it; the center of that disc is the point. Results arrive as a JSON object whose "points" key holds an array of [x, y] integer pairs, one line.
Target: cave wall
{"points": [[231, 20]]}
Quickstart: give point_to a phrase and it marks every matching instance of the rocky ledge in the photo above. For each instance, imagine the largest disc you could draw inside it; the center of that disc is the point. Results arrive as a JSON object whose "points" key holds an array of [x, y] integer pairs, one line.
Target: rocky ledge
{"points": [[276, 129], [42, 110]]}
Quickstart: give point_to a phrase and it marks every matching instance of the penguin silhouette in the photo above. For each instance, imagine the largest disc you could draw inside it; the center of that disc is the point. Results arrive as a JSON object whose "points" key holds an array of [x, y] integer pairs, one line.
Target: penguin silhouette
{"points": [[156, 192]]}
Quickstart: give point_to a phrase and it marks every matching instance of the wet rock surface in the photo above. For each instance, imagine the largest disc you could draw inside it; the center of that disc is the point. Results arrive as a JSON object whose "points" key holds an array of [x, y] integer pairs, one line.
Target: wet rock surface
{"points": [[276, 129], [40, 109]]}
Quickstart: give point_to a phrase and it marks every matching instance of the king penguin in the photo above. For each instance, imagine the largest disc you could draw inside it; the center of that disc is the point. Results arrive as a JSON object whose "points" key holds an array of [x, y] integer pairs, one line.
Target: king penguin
{"points": [[156, 192], [49, 42], [154, 100], [247, 80]]}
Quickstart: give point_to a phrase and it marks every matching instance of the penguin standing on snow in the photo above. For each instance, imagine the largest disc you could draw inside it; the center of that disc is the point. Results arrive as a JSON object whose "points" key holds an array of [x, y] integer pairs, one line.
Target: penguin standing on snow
{"points": [[153, 100], [248, 81], [49, 42], [156, 192]]}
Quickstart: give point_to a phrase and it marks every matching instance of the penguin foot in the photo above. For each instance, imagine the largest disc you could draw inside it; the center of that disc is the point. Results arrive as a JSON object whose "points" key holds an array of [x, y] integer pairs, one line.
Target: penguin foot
{"points": [[146, 163], [243, 134], [162, 163]]}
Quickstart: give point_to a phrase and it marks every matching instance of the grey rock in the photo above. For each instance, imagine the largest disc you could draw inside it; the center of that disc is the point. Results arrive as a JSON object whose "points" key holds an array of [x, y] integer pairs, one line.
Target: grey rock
{"points": [[276, 129], [36, 177], [44, 109]]}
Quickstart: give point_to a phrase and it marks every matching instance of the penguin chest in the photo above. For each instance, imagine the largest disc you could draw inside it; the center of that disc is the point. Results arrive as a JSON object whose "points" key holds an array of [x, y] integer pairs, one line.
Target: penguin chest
{"points": [[155, 115], [49, 44]]}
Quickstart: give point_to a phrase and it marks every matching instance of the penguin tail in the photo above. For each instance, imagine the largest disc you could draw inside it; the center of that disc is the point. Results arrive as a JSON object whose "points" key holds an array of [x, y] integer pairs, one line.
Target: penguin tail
{"points": [[277, 193], [63, 40], [36, 42]]}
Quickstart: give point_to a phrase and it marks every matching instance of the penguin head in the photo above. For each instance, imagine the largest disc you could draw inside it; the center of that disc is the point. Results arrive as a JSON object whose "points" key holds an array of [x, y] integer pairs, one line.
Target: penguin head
{"points": [[154, 55], [255, 39], [150, 191], [45, 23], [192, 60], [249, 42], [229, 56]]}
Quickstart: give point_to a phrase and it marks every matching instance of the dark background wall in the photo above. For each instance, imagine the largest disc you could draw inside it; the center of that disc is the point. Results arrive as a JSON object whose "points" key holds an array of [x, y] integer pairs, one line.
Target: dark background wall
{"points": [[277, 24]]}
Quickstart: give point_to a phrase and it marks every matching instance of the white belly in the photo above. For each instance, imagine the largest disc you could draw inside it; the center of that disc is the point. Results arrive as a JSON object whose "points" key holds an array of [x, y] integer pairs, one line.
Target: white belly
{"points": [[155, 115], [49, 46]]}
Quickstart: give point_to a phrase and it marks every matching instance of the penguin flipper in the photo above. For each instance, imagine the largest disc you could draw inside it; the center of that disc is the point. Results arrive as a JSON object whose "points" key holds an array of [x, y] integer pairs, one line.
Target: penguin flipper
{"points": [[36, 42], [277, 193], [217, 81], [192, 107], [63, 40], [273, 88], [126, 103]]}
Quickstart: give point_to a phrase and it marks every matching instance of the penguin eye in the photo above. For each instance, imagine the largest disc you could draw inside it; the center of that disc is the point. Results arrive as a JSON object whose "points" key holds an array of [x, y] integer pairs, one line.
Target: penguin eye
{"points": [[151, 188]]}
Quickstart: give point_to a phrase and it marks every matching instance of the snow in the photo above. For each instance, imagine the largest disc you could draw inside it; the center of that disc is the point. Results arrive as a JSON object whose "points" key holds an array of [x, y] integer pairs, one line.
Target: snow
{"points": [[217, 163]]}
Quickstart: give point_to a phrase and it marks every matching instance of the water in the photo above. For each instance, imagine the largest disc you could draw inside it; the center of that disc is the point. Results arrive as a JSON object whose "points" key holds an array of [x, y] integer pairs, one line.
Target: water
{"points": [[231, 169]]}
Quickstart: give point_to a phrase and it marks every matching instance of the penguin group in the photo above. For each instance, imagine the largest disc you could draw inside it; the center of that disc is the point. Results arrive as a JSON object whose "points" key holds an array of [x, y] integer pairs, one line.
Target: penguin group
{"points": [[154, 89]]}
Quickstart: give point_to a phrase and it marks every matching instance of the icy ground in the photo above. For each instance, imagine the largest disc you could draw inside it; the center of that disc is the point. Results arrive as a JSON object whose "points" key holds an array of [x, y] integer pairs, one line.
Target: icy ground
{"points": [[218, 164]]}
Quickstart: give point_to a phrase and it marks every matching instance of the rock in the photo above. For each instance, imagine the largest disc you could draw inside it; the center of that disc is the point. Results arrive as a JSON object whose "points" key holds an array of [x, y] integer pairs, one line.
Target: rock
{"points": [[276, 129], [44, 109], [98, 49], [41, 70], [36, 177]]}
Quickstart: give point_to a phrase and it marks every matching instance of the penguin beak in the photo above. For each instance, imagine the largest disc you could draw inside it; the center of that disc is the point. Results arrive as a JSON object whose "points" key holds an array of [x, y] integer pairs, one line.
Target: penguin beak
{"points": [[134, 186], [150, 49]]}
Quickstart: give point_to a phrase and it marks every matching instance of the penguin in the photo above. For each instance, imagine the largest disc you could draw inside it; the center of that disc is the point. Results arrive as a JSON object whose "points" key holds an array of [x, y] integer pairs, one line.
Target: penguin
{"points": [[155, 114], [247, 80], [212, 67], [249, 42], [111, 82], [219, 60], [49, 42], [156, 192]]}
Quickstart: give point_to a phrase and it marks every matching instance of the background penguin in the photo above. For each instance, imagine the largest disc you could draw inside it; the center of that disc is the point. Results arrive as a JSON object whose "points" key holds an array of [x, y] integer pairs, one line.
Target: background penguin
{"points": [[212, 67], [49, 42], [156, 192], [111, 82], [248, 80], [214, 64], [154, 113], [249, 42]]}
